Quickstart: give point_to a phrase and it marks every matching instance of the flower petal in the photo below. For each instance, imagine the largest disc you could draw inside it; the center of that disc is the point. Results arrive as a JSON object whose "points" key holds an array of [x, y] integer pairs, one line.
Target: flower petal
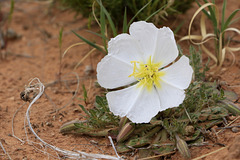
{"points": [[114, 69], [170, 96], [146, 35], [134, 102], [166, 47], [179, 74], [113, 72], [126, 48]]}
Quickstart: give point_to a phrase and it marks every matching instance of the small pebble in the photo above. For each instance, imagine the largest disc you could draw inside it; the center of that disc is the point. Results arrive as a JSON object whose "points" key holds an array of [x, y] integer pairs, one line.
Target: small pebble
{"points": [[189, 130], [235, 129], [88, 70], [49, 124], [93, 142], [76, 110], [231, 118], [11, 98]]}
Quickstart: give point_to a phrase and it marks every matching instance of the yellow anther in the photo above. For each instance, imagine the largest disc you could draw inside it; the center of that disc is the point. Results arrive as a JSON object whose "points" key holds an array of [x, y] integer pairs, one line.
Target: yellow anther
{"points": [[148, 74]]}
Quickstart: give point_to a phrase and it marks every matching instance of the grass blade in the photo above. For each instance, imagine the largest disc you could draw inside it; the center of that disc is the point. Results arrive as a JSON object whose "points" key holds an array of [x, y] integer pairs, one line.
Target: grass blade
{"points": [[89, 42], [60, 37], [102, 26], [130, 22], [234, 21], [213, 18], [213, 15], [204, 11], [178, 27], [83, 108], [97, 34], [109, 18], [125, 26], [229, 19], [223, 19], [223, 14], [100, 102], [11, 10], [155, 12], [85, 96]]}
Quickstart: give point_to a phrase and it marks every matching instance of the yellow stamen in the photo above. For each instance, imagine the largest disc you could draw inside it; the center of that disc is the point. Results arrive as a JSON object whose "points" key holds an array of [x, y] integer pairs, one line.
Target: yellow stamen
{"points": [[148, 74]]}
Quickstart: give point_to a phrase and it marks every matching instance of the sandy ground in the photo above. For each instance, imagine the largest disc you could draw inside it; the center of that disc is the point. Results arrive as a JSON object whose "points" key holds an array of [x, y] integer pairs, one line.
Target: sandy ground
{"points": [[36, 54]]}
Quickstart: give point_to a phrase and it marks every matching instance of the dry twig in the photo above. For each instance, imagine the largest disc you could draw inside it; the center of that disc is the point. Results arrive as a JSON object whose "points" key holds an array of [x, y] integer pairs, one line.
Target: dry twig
{"points": [[13, 134], [229, 124], [39, 87], [5, 151]]}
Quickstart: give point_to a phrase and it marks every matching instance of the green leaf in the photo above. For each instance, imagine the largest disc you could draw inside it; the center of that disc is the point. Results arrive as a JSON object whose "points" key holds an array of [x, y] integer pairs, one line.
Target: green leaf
{"points": [[85, 97], [11, 10], [234, 21], [93, 114], [164, 149], [223, 13], [229, 19], [231, 107], [109, 18], [213, 17], [83, 108], [103, 25], [60, 37], [78, 125], [122, 148], [97, 34], [125, 26], [89, 42], [182, 147], [204, 11], [230, 95], [130, 22], [100, 102], [155, 12], [178, 27]]}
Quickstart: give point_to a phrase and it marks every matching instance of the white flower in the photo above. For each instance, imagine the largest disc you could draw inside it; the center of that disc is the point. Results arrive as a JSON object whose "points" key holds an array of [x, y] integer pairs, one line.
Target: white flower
{"points": [[144, 57]]}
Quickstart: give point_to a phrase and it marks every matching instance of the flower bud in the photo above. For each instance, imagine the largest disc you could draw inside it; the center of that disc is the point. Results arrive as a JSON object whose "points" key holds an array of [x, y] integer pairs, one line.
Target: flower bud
{"points": [[182, 147], [231, 107], [122, 122], [125, 132]]}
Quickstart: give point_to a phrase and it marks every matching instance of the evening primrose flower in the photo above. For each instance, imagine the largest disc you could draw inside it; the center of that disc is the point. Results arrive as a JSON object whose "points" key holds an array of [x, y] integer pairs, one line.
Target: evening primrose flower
{"points": [[142, 60]]}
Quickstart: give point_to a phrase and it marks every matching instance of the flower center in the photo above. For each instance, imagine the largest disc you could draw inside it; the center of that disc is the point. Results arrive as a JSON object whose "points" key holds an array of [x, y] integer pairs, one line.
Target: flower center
{"points": [[148, 74]]}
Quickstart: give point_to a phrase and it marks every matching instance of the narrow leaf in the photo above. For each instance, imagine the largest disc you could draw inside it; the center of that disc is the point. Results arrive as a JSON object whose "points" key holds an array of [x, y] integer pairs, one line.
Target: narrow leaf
{"points": [[130, 22], [83, 108], [125, 132], [231, 107], [204, 11], [69, 126], [85, 97], [229, 19], [178, 27], [109, 18], [89, 42], [223, 14], [60, 37], [103, 25], [155, 12], [125, 27], [100, 102], [97, 34], [11, 10], [182, 147]]}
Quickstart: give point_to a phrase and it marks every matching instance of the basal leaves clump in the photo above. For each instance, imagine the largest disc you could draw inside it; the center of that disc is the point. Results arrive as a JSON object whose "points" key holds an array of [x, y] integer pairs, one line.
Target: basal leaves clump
{"points": [[178, 127]]}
